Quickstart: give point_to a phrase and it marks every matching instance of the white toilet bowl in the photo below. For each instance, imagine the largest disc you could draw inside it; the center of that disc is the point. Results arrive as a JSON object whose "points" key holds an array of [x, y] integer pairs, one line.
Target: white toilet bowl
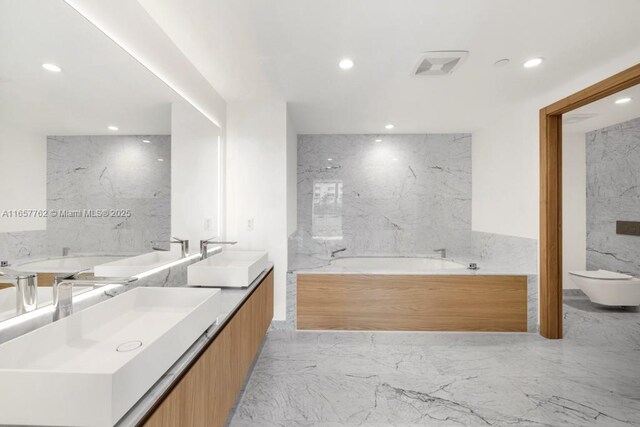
{"points": [[607, 287]]}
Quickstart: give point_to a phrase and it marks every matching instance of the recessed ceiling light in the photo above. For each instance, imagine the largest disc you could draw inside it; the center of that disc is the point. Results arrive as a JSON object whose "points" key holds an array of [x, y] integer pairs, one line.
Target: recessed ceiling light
{"points": [[378, 140], [52, 67], [501, 62], [395, 159], [534, 62], [623, 100], [389, 126], [346, 64], [331, 160], [112, 127], [146, 141], [161, 160]]}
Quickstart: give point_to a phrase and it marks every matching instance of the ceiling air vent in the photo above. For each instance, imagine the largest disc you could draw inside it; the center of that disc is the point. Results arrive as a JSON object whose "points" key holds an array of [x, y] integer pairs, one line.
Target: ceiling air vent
{"points": [[439, 62]]}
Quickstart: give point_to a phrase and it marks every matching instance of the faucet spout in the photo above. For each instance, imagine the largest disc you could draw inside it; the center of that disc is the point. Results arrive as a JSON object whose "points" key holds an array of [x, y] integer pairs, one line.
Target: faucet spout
{"points": [[204, 246], [63, 292], [184, 246]]}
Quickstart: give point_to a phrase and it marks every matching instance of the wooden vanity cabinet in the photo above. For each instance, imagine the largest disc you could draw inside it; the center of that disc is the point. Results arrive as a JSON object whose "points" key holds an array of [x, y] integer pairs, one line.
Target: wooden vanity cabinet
{"points": [[205, 395]]}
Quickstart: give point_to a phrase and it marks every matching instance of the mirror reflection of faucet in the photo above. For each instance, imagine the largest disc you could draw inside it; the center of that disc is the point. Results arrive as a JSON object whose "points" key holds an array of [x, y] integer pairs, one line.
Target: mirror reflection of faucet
{"points": [[184, 246], [204, 246], [26, 288]]}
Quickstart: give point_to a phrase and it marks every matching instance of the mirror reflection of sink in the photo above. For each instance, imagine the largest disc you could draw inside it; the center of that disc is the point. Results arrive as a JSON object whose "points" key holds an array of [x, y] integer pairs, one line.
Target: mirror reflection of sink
{"points": [[228, 269], [45, 297], [112, 353], [66, 264], [132, 266]]}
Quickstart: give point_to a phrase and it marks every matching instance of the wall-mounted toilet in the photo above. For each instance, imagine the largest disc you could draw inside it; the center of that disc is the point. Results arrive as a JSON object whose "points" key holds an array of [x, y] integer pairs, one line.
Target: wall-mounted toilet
{"points": [[608, 287]]}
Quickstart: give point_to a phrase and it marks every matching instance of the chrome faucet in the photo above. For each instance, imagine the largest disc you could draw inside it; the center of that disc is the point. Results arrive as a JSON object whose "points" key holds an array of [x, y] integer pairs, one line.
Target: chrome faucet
{"points": [[442, 252], [204, 246], [184, 245], [26, 288], [63, 291], [333, 253]]}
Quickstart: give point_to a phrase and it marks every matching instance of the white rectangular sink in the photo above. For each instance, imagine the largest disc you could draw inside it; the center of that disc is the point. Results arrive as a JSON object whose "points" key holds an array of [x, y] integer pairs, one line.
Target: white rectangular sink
{"points": [[132, 266], [90, 368], [228, 269]]}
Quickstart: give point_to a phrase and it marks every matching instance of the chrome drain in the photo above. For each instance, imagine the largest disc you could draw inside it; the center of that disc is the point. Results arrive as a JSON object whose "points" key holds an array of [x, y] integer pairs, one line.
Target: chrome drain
{"points": [[129, 346]]}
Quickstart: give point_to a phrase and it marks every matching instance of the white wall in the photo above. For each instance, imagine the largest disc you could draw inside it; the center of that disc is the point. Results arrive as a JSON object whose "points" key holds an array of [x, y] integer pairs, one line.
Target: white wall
{"points": [[23, 162], [129, 24], [194, 175], [256, 184], [574, 205], [292, 177], [506, 157], [505, 175]]}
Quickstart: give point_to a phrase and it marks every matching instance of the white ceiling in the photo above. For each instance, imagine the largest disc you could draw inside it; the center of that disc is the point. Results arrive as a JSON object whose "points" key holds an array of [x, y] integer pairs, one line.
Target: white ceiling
{"points": [[289, 49], [100, 83], [607, 112]]}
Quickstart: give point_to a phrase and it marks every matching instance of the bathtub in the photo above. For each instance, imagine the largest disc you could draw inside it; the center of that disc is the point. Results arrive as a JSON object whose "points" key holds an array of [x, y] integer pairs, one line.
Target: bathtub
{"points": [[409, 294], [392, 264]]}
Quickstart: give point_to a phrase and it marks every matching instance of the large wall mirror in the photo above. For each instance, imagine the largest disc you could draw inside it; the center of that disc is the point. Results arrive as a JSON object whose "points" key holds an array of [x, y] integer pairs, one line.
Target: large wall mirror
{"points": [[100, 160]]}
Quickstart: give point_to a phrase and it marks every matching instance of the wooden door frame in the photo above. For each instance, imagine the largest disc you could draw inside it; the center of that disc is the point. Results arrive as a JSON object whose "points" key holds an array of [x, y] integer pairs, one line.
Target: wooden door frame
{"points": [[551, 193]]}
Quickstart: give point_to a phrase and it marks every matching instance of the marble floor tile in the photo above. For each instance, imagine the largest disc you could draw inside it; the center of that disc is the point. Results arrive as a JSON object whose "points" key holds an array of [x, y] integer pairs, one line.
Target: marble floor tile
{"points": [[327, 379]]}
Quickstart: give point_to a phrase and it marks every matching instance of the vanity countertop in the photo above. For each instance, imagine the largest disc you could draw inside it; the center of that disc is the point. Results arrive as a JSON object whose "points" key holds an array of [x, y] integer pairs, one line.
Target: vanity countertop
{"points": [[232, 300]]}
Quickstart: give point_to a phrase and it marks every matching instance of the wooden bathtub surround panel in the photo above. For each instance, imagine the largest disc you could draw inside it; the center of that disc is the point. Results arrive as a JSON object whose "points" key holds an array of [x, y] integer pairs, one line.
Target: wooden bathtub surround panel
{"points": [[412, 303], [206, 394], [551, 193]]}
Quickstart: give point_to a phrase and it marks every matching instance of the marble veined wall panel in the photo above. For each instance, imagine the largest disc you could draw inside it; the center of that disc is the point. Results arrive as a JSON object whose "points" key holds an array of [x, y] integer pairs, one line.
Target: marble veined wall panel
{"points": [[613, 194], [119, 174], [405, 194]]}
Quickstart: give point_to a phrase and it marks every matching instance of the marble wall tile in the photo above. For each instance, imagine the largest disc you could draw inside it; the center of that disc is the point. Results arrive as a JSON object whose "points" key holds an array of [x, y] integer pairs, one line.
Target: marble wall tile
{"points": [[109, 172], [23, 244], [405, 194], [613, 194], [517, 253]]}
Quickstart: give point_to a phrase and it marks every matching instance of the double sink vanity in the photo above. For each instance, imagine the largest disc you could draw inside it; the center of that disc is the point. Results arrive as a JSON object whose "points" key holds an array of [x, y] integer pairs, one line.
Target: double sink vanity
{"points": [[152, 355]]}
